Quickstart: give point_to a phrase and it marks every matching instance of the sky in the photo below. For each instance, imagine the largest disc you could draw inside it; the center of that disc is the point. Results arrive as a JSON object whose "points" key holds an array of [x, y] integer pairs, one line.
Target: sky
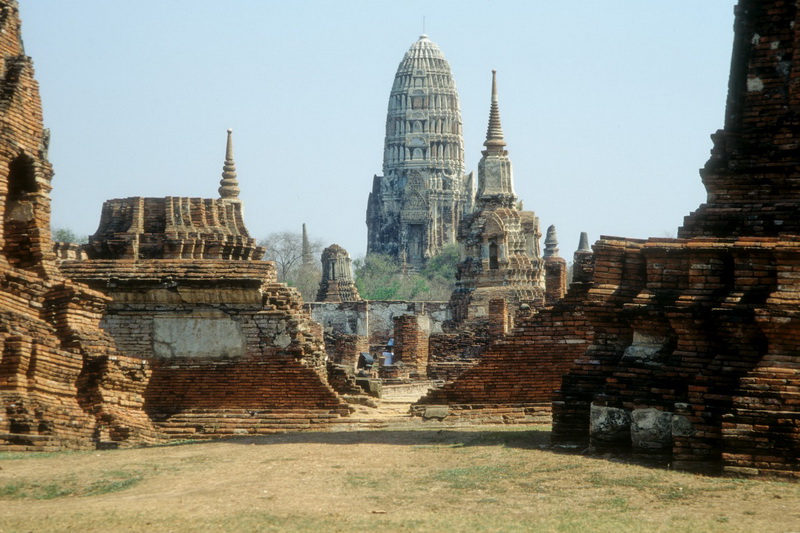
{"points": [[607, 107]]}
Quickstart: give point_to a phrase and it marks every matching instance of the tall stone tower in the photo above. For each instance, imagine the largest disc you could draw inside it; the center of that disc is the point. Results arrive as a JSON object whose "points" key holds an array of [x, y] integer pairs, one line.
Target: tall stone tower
{"points": [[416, 206], [499, 242]]}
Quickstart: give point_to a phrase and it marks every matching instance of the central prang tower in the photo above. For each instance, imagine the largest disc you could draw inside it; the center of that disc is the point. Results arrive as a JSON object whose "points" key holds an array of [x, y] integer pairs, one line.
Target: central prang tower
{"points": [[416, 206]]}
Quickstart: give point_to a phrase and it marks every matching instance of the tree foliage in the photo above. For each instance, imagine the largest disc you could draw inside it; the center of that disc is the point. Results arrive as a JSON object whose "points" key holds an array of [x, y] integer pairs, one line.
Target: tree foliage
{"points": [[380, 277], [67, 235], [285, 248]]}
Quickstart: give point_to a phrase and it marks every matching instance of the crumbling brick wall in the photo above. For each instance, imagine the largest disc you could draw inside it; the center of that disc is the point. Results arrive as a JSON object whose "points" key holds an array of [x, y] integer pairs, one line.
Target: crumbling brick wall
{"points": [[695, 353], [59, 371], [216, 336], [410, 345], [514, 380]]}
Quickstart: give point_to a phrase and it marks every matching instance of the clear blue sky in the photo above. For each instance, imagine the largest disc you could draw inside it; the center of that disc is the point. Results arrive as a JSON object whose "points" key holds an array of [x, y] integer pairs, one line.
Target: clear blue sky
{"points": [[607, 107]]}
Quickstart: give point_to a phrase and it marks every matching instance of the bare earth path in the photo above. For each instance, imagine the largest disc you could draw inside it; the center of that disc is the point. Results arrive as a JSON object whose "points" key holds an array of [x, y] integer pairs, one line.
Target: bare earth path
{"points": [[399, 479]]}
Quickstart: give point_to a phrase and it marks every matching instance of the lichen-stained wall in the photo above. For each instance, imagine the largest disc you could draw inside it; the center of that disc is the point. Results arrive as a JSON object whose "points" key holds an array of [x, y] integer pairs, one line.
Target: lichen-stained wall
{"points": [[374, 319], [62, 382]]}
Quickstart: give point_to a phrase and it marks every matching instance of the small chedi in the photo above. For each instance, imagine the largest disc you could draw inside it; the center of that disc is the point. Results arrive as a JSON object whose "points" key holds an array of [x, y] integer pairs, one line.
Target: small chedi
{"points": [[695, 352], [229, 349], [416, 205], [63, 384], [177, 228], [337, 283], [555, 268]]}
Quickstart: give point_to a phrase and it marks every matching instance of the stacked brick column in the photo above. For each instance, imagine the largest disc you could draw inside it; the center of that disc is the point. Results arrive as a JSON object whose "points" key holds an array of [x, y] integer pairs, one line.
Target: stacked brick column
{"points": [[410, 345]]}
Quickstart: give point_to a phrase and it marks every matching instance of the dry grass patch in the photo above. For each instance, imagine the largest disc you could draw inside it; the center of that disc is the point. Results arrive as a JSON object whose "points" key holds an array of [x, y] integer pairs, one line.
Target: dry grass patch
{"points": [[466, 479]]}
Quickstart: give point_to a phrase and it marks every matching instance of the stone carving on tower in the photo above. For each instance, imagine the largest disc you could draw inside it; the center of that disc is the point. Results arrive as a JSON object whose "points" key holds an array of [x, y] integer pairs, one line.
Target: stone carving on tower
{"points": [[499, 243], [415, 207]]}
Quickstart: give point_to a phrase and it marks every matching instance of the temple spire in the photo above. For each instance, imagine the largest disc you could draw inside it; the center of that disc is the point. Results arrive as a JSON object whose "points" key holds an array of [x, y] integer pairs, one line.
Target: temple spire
{"points": [[551, 243], [306, 250], [583, 243], [228, 186], [494, 134], [495, 180]]}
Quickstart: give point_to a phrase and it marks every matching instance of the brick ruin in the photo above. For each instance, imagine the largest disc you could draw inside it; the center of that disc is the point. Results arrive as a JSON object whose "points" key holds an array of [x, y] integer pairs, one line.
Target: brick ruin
{"points": [[500, 261], [695, 354], [555, 269], [230, 350], [212, 344], [168, 324], [513, 381], [63, 384]]}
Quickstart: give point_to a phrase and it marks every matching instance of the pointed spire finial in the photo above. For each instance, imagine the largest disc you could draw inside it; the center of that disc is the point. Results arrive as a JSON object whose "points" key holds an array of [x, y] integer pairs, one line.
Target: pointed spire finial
{"points": [[306, 250], [494, 134], [228, 186]]}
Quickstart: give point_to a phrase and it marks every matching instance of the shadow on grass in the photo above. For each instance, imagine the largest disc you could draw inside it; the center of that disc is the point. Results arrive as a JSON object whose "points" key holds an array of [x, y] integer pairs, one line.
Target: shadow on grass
{"points": [[523, 438], [443, 437]]}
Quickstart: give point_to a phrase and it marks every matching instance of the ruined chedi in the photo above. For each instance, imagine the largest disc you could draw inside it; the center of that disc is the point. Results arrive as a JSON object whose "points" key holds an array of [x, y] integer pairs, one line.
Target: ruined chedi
{"points": [[177, 227], [499, 242], [415, 207], [337, 283], [225, 346]]}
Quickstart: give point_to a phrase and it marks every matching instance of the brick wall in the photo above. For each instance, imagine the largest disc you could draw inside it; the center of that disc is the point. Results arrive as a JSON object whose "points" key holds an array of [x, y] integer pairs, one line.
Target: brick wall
{"points": [[694, 354], [216, 336], [59, 372], [513, 381], [410, 345]]}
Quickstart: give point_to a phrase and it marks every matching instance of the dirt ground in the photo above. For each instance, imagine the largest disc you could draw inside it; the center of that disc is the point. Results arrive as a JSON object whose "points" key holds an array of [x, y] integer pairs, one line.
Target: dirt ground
{"points": [[459, 479]]}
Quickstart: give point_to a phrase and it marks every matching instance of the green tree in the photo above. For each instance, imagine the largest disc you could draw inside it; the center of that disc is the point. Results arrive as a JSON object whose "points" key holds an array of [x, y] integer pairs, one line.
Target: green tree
{"points": [[440, 272], [285, 248], [380, 277], [67, 235]]}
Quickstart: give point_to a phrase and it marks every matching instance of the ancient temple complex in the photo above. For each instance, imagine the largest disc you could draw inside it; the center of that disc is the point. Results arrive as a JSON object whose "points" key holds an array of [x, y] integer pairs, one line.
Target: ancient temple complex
{"points": [[499, 242], [416, 205]]}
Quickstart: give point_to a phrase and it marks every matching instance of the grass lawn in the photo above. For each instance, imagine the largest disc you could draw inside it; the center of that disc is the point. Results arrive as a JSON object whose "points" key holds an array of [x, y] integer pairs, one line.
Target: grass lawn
{"points": [[465, 479]]}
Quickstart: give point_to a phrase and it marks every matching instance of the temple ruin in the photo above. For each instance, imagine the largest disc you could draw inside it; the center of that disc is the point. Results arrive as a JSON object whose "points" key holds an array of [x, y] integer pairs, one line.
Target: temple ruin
{"points": [[63, 384], [337, 283], [192, 299], [416, 205], [695, 353], [499, 242], [168, 325]]}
